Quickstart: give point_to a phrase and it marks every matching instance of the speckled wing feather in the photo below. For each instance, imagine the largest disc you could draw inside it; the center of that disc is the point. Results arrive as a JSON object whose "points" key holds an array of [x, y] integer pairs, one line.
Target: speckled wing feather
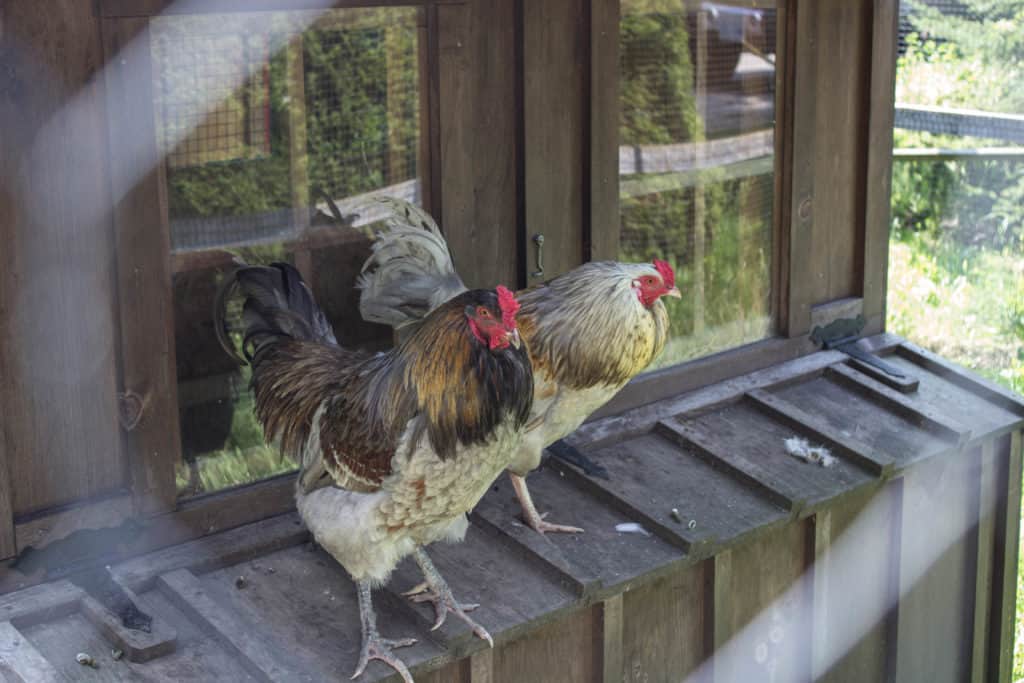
{"points": [[410, 271]]}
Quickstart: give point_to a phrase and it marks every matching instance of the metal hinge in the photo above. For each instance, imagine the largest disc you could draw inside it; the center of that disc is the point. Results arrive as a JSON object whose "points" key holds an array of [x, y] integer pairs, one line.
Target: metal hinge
{"points": [[842, 335]]}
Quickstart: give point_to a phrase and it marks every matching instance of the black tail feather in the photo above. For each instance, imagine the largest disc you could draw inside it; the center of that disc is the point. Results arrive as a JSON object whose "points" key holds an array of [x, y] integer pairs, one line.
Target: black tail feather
{"points": [[278, 305]]}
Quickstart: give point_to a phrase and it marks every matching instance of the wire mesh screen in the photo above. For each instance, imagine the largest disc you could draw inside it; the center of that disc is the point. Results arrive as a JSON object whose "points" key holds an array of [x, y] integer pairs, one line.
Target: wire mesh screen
{"points": [[696, 165], [260, 117]]}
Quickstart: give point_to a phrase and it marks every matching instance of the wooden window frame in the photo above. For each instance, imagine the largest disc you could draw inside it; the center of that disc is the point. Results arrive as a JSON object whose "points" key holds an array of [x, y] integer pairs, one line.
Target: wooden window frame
{"points": [[145, 262], [795, 311], [150, 439]]}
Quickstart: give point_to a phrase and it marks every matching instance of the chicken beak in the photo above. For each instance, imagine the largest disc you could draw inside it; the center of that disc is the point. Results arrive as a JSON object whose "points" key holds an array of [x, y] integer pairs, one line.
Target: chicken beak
{"points": [[674, 292], [513, 339]]}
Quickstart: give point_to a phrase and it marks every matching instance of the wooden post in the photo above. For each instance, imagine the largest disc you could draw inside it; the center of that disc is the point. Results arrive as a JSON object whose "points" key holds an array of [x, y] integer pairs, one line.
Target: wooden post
{"points": [[820, 536], [149, 402], [1005, 575], [604, 221], [611, 620], [878, 185], [700, 92], [298, 155]]}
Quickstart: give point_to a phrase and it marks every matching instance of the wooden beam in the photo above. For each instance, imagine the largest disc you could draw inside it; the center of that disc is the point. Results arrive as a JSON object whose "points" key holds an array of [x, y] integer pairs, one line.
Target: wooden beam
{"points": [[139, 185], [251, 647], [603, 222], [298, 155], [820, 539], [878, 171], [719, 610], [983, 539], [151, 8], [611, 620], [1004, 580], [20, 661], [802, 257]]}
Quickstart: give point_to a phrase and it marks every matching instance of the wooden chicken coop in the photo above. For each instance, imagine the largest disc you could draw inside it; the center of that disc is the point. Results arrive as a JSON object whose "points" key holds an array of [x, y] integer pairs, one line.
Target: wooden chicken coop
{"points": [[747, 142]]}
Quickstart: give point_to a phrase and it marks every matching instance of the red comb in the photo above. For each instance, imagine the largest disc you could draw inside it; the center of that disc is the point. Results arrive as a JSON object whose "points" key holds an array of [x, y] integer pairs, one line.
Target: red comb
{"points": [[509, 307], [667, 274]]}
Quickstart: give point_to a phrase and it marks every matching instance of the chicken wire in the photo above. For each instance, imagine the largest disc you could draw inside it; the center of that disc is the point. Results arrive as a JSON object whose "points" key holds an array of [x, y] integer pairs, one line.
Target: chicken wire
{"points": [[696, 166], [230, 101]]}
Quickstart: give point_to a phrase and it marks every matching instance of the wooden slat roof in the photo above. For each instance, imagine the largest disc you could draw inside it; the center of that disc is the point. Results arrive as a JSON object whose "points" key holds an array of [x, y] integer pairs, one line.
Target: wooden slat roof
{"points": [[258, 602]]}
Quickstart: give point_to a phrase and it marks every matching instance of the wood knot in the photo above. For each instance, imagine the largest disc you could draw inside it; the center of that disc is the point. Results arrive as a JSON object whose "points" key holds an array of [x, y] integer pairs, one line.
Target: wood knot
{"points": [[129, 409]]}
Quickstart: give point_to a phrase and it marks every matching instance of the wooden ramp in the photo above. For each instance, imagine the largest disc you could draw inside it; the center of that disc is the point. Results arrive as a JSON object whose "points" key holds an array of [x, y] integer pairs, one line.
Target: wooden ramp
{"points": [[729, 523]]}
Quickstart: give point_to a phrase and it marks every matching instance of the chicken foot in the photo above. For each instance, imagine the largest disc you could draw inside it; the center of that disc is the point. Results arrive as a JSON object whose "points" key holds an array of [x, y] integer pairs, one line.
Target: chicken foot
{"points": [[530, 514], [435, 590], [375, 647]]}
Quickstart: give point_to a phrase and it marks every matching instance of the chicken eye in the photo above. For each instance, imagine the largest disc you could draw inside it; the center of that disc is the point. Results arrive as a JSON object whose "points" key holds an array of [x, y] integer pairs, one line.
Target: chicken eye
{"points": [[650, 281], [483, 312]]}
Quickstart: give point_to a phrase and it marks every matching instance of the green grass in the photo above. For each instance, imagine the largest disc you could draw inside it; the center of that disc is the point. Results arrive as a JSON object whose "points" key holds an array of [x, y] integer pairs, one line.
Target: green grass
{"points": [[966, 304]]}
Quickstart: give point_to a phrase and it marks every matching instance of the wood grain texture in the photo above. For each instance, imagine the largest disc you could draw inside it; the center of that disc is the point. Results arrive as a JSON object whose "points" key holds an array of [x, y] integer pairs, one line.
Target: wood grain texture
{"points": [[878, 166], [58, 353], [983, 541], [603, 167], [478, 140], [143, 264], [663, 627], [566, 651], [20, 661], [1004, 576], [554, 50], [936, 607]]}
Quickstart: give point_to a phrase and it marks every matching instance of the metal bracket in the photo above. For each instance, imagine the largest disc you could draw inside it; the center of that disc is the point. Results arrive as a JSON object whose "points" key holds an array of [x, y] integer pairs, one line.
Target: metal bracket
{"points": [[842, 335]]}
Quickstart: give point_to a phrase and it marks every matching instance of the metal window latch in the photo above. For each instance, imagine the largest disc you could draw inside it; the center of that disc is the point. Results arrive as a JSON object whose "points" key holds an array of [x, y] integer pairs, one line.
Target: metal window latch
{"points": [[842, 335], [538, 239]]}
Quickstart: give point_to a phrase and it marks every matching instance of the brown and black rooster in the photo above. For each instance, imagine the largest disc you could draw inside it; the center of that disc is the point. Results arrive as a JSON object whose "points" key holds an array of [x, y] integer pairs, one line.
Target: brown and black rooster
{"points": [[395, 447], [588, 331]]}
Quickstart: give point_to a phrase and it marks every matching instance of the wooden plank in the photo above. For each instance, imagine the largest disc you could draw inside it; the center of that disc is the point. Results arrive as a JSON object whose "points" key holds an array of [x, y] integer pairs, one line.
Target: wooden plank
{"points": [[137, 645], [40, 603], [298, 152], [934, 628], [940, 425], [611, 640], [751, 439], [261, 657], [603, 560], [553, 78], [695, 439], [820, 534], [983, 540], [40, 530], [603, 168], [963, 377], [143, 265], [948, 397], [762, 626], [58, 354], [718, 599], [806, 256], [20, 662], [866, 456], [905, 385], [650, 475], [295, 588], [717, 378], [662, 632], [853, 416], [213, 552], [514, 598], [878, 171], [1004, 578], [543, 654], [481, 666], [478, 140], [841, 91]]}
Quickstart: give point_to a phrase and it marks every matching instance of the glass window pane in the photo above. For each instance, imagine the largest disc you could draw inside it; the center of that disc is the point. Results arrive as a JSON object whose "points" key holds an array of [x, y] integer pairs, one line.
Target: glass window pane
{"points": [[696, 163], [262, 116]]}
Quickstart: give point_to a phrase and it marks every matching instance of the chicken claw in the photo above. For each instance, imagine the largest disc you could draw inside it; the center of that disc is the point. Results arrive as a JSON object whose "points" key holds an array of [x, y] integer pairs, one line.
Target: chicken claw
{"points": [[435, 590], [375, 647], [530, 515]]}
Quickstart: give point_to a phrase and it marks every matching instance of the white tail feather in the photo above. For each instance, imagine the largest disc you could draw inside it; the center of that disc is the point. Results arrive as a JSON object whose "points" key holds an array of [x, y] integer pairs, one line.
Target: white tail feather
{"points": [[410, 271]]}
